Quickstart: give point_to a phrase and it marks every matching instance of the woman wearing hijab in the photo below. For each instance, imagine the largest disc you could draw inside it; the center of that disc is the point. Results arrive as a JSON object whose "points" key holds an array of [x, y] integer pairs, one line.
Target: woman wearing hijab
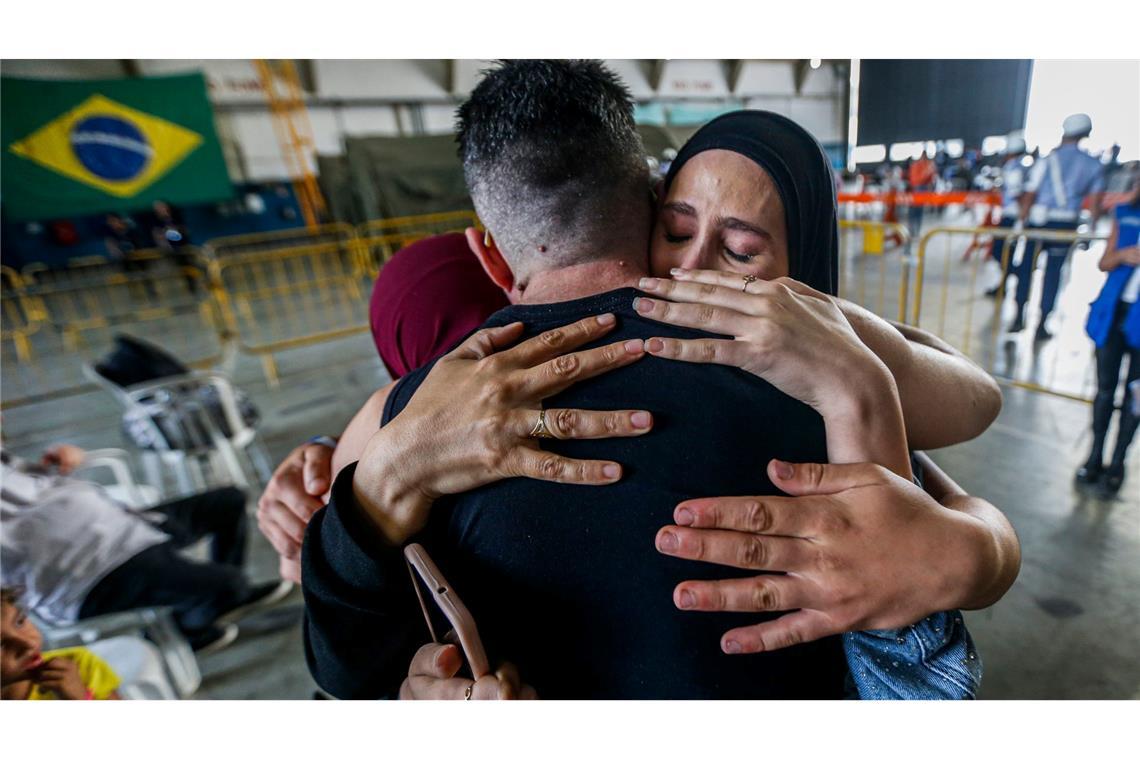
{"points": [[426, 299]]}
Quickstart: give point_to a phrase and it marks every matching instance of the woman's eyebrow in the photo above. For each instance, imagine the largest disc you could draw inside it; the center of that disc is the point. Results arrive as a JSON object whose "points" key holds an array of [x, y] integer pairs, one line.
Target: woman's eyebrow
{"points": [[680, 208], [732, 223]]}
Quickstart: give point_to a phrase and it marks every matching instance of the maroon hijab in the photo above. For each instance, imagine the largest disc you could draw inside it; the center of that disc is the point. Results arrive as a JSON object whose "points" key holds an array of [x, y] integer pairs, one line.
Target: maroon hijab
{"points": [[427, 297]]}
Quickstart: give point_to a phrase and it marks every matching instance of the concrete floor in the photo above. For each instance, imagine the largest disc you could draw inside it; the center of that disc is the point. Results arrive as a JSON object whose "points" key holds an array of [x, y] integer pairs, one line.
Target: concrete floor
{"points": [[1067, 629]]}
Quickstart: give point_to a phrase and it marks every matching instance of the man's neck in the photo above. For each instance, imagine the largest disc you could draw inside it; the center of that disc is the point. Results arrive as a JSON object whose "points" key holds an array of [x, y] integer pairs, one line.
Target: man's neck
{"points": [[581, 280]]}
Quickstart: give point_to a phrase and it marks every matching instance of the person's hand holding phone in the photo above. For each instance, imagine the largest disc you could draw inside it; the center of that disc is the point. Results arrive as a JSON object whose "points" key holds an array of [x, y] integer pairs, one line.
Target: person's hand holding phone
{"points": [[433, 674]]}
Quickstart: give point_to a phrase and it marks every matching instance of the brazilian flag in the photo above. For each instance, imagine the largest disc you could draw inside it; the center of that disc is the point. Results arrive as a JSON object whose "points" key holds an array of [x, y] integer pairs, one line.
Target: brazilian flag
{"points": [[73, 148]]}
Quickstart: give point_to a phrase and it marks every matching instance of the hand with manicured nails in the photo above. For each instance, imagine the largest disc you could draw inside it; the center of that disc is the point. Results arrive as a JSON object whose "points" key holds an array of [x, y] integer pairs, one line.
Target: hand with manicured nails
{"points": [[861, 549], [60, 675], [296, 491], [432, 675], [469, 423], [783, 331]]}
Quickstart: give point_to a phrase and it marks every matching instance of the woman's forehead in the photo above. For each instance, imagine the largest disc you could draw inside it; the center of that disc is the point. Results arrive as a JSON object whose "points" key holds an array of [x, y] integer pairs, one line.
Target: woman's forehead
{"points": [[722, 172], [735, 183]]}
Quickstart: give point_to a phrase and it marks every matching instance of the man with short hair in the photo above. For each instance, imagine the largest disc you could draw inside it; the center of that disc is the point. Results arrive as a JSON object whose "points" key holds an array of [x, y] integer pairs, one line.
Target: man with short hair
{"points": [[566, 583], [1054, 193]]}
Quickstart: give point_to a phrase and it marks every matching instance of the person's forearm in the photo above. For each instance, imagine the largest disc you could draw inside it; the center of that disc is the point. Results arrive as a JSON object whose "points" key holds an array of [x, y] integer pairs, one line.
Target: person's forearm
{"points": [[945, 397], [990, 543], [864, 423], [360, 430]]}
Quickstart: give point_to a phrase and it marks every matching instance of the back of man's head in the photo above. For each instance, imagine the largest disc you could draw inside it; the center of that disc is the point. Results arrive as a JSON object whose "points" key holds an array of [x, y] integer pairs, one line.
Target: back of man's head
{"points": [[554, 163]]}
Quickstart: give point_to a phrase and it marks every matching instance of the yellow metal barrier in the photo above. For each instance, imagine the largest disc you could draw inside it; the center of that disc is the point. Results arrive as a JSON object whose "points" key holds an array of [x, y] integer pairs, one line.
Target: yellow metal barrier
{"points": [[291, 297], [22, 315], [381, 238], [1062, 368], [224, 247], [887, 266]]}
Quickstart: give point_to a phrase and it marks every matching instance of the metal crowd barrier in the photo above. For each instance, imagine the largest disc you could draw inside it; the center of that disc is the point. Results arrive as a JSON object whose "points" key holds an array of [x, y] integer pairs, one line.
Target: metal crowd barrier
{"points": [[1059, 371], [168, 304], [291, 297], [888, 265], [22, 315], [257, 242], [381, 238]]}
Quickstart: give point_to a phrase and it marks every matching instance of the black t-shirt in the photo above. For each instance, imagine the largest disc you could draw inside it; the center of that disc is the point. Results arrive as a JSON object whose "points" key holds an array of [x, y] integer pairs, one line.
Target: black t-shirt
{"points": [[563, 580]]}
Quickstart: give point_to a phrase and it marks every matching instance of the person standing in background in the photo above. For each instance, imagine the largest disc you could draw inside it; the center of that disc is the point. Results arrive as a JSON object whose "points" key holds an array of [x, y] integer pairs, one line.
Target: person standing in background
{"points": [[171, 235], [1114, 325], [1057, 186], [920, 176], [1013, 176]]}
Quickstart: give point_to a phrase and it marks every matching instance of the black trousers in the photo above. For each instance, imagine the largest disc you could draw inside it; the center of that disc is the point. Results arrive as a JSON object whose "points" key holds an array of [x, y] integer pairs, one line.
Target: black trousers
{"points": [[199, 592], [1109, 357]]}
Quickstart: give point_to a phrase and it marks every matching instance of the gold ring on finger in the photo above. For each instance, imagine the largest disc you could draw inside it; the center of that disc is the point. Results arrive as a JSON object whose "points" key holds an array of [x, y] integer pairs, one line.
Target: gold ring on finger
{"points": [[540, 430], [748, 280]]}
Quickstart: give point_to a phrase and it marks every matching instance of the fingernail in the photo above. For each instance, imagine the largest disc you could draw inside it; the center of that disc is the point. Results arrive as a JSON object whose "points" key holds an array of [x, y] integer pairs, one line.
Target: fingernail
{"points": [[642, 305], [611, 471], [686, 600], [606, 319], [784, 471], [647, 283], [668, 542], [684, 517], [634, 346], [677, 272], [640, 419], [732, 646], [654, 345]]}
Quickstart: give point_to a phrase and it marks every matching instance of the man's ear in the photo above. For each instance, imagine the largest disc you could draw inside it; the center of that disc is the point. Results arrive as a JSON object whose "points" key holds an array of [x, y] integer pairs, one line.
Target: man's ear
{"points": [[490, 258]]}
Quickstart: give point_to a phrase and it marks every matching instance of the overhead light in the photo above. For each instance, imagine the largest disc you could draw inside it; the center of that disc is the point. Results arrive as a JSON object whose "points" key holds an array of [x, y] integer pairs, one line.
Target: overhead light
{"points": [[815, 63]]}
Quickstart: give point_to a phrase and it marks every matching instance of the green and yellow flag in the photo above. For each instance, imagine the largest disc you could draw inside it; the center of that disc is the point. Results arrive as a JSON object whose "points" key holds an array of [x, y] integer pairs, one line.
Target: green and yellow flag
{"points": [[72, 148]]}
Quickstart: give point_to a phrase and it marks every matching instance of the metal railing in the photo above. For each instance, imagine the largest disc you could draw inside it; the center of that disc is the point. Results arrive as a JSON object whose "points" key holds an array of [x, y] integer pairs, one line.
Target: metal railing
{"points": [[291, 297], [854, 286], [380, 239], [1066, 371]]}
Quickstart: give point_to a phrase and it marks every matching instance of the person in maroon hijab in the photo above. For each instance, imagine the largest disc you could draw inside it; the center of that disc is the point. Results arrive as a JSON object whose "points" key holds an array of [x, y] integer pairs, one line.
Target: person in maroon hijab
{"points": [[426, 298]]}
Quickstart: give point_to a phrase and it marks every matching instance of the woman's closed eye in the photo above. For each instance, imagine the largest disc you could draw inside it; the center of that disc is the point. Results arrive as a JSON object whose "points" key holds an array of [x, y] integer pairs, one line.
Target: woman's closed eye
{"points": [[671, 238], [742, 258]]}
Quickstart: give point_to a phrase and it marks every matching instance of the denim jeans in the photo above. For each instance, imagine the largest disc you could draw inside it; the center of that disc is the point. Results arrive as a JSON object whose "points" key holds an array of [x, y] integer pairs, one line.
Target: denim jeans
{"points": [[933, 659]]}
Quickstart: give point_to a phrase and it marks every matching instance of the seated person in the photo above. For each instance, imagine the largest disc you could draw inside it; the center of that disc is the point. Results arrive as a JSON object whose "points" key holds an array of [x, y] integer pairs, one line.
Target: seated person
{"points": [[28, 673], [77, 553], [517, 545]]}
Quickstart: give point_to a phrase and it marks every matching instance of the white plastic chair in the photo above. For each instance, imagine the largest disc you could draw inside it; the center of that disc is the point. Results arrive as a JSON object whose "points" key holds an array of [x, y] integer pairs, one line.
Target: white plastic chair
{"points": [[125, 489], [184, 433], [155, 623], [138, 663]]}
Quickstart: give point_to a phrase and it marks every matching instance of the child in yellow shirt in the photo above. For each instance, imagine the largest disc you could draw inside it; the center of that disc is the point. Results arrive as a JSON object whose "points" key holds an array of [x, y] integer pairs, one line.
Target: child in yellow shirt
{"points": [[28, 673]]}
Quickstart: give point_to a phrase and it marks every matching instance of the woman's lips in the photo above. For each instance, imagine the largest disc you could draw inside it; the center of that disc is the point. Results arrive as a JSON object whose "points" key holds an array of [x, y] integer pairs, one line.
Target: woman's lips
{"points": [[36, 660]]}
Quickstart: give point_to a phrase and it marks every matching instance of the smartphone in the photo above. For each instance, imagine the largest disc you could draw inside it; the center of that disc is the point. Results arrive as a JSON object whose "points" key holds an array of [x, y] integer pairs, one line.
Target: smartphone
{"points": [[429, 582]]}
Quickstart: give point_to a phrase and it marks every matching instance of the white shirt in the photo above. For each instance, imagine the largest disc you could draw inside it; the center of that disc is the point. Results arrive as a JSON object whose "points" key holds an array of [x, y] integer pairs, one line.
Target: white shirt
{"points": [[1132, 289], [60, 536]]}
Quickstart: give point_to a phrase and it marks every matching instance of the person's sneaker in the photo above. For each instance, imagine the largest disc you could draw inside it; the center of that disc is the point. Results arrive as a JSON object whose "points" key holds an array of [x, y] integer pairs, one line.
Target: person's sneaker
{"points": [[1018, 324], [1042, 333], [1089, 474], [259, 597], [213, 639]]}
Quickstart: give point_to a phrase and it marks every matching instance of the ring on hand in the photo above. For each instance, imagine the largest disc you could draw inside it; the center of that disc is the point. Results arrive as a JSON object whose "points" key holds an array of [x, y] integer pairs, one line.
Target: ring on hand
{"points": [[540, 430], [748, 280], [467, 692]]}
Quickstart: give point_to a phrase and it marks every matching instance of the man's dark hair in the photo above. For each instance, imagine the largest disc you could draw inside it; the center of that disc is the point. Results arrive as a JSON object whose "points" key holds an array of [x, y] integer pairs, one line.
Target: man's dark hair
{"points": [[552, 157]]}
